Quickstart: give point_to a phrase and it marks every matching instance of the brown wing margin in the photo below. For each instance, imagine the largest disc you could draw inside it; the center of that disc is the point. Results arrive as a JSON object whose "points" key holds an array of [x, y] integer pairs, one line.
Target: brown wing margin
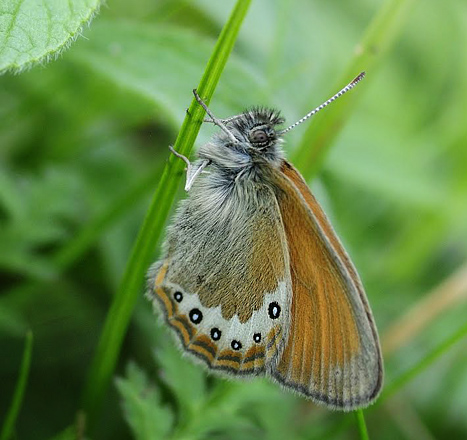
{"points": [[332, 354]]}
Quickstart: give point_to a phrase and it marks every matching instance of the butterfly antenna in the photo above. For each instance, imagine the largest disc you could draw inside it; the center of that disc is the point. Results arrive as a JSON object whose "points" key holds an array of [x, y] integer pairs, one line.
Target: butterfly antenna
{"points": [[348, 87]]}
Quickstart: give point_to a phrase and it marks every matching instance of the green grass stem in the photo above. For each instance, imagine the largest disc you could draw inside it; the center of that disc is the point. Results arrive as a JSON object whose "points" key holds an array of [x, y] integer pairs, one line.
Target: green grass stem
{"points": [[369, 54], [363, 432], [13, 411], [404, 378], [120, 312], [423, 364]]}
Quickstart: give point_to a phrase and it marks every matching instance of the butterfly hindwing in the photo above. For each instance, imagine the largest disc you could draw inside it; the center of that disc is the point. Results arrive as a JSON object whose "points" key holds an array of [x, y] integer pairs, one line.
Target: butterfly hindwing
{"points": [[223, 284], [332, 353]]}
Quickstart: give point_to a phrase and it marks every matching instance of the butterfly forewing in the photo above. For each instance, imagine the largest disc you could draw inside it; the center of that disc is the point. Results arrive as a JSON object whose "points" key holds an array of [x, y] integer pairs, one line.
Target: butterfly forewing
{"points": [[224, 283], [332, 353]]}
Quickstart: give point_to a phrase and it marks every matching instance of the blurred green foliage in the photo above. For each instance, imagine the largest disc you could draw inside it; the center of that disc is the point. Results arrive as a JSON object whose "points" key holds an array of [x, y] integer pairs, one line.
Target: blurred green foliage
{"points": [[83, 142]]}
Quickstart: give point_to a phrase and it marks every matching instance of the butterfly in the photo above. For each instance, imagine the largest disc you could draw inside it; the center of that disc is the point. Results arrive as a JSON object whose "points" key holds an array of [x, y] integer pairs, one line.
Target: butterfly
{"points": [[254, 281]]}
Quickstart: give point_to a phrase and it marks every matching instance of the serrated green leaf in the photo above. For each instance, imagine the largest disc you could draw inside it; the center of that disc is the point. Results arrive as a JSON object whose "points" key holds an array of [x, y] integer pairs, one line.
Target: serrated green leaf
{"points": [[143, 411], [250, 404], [32, 31], [186, 380]]}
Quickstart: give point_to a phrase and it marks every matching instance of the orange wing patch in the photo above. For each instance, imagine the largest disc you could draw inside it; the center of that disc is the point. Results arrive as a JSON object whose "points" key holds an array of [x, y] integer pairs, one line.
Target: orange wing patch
{"points": [[325, 351]]}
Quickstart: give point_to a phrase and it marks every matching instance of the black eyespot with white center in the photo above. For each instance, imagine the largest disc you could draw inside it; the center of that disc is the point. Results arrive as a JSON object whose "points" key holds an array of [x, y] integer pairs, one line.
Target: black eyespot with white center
{"points": [[195, 316], [178, 296], [257, 337], [236, 345], [274, 310], [215, 334]]}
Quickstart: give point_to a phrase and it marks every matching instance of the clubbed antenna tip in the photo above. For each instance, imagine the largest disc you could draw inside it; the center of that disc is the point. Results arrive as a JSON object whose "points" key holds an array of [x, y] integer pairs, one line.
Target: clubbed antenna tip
{"points": [[358, 78]]}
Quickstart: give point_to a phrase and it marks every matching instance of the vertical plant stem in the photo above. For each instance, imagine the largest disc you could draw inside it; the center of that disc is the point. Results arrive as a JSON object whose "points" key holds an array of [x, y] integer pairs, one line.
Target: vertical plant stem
{"points": [[361, 424], [423, 364], [404, 378], [13, 411], [121, 309], [325, 126]]}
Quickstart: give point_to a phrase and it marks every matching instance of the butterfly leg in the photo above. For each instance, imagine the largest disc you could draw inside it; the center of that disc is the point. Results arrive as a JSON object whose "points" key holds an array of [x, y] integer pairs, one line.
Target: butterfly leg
{"points": [[209, 119], [224, 121], [192, 171], [213, 119]]}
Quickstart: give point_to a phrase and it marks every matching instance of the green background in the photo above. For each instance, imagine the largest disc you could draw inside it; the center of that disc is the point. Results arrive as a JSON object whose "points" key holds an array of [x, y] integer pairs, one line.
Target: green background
{"points": [[83, 141]]}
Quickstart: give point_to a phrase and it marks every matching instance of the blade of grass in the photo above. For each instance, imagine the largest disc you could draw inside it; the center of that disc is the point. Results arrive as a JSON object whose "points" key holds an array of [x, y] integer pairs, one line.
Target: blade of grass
{"points": [[361, 425], [403, 379], [423, 364], [130, 288], [447, 295], [13, 411], [325, 126]]}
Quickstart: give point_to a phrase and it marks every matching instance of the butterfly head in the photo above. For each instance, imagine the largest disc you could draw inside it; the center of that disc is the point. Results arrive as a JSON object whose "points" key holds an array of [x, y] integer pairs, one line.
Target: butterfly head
{"points": [[252, 139], [256, 129]]}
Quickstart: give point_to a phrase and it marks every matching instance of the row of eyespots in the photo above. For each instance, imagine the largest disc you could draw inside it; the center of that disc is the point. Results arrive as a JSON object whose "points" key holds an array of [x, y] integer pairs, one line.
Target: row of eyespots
{"points": [[216, 335], [196, 316]]}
